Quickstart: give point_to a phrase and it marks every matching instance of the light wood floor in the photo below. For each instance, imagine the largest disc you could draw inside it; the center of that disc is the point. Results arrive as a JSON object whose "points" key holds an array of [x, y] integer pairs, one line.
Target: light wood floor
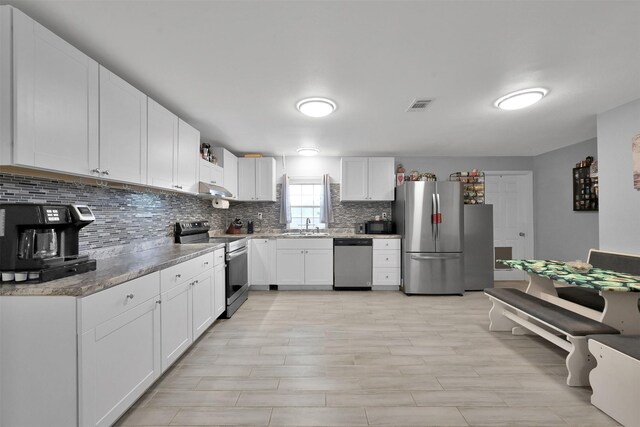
{"points": [[365, 358]]}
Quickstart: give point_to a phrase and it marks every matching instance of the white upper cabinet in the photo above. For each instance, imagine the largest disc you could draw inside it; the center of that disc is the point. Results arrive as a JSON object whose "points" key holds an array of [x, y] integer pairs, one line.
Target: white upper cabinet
{"points": [[162, 145], [257, 179], [367, 179], [229, 163], [55, 88], [211, 174], [123, 130], [187, 173]]}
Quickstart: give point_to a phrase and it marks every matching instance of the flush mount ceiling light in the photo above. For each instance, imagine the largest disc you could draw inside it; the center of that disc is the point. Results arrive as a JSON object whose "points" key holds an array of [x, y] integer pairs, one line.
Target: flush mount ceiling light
{"points": [[521, 99], [308, 151], [316, 107]]}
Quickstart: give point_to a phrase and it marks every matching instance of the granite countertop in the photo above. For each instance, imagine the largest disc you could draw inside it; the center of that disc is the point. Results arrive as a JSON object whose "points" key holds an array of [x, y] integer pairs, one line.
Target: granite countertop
{"points": [[111, 271], [280, 235]]}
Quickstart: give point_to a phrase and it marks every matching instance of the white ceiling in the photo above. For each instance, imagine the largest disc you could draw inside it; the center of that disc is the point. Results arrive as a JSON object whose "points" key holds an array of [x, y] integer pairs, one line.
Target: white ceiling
{"points": [[235, 69]]}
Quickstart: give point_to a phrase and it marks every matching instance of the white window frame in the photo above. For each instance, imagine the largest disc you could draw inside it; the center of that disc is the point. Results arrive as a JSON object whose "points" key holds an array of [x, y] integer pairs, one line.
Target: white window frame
{"points": [[305, 180]]}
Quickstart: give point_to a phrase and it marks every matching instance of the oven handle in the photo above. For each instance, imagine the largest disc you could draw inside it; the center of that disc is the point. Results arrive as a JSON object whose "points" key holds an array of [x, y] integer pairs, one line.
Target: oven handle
{"points": [[236, 254]]}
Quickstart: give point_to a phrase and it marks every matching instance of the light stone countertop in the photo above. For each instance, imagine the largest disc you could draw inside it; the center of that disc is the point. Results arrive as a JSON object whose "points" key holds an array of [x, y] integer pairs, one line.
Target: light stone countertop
{"points": [[111, 272]]}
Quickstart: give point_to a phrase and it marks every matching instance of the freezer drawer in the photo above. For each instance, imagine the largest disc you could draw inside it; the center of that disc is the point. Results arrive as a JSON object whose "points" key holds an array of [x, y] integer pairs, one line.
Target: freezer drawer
{"points": [[433, 273]]}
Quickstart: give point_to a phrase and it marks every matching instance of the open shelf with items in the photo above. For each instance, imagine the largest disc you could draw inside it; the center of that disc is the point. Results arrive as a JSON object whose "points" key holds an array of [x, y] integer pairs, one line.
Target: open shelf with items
{"points": [[585, 190], [473, 186]]}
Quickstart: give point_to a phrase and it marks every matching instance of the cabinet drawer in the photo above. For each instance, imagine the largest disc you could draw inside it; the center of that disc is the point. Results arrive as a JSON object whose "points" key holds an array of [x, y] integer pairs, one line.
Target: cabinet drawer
{"points": [[386, 243], [105, 305], [386, 276], [177, 274], [218, 256], [312, 243], [386, 259]]}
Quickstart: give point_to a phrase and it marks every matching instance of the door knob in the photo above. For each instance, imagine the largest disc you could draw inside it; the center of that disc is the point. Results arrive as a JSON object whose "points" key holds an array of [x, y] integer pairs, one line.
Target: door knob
{"points": [[521, 234]]}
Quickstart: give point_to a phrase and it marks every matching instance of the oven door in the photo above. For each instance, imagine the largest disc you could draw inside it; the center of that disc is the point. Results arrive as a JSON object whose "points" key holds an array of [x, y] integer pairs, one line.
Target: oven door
{"points": [[237, 274]]}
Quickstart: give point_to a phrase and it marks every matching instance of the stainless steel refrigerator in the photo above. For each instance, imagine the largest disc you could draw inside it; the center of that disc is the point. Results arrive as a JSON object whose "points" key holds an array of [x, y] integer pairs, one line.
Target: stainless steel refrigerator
{"points": [[429, 216], [478, 247]]}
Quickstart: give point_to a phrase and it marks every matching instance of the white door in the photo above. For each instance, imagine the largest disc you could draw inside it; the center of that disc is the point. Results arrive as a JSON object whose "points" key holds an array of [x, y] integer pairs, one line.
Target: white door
{"points": [[219, 290], [259, 273], [246, 179], [202, 302], [231, 173], [123, 130], [188, 155], [55, 101], [266, 179], [511, 194], [162, 143], [381, 178], [216, 175], [206, 173], [290, 267], [354, 178], [176, 323], [318, 267]]}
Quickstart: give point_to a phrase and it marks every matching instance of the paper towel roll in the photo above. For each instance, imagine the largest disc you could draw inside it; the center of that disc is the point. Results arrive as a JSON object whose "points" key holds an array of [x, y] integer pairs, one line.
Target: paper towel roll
{"points": [[220, 204]]}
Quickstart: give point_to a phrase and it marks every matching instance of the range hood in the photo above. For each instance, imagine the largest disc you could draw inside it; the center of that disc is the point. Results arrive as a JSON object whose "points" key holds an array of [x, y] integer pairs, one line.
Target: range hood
{"points": [[207, 189]]}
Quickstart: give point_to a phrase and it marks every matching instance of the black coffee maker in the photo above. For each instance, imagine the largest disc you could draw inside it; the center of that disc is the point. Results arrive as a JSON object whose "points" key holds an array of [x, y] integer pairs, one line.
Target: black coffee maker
{"points": [[42, 240]]}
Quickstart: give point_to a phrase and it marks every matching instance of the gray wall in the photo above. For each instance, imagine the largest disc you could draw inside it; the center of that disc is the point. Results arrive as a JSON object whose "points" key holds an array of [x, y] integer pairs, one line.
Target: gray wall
{"points": [[619, 201], [560, 233]]}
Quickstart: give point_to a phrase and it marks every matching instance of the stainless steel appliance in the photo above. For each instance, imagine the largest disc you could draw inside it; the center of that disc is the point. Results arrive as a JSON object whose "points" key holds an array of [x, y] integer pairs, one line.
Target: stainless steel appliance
{"points": [[478, 247], [379, 227], [43, 240], [236, 271], [352, 263], [429, 216]]}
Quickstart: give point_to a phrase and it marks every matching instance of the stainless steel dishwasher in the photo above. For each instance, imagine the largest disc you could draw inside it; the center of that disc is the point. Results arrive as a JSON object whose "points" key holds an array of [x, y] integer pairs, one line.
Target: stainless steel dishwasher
{"points": [[352, 262]]}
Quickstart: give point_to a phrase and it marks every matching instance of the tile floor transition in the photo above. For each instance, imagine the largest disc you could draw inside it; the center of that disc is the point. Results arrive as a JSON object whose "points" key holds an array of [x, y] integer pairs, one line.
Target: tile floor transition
{"points": [[365, 358]]}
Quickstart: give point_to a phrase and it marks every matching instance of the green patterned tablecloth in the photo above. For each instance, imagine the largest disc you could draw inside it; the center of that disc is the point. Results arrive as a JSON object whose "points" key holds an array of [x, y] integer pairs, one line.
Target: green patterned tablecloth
{"points": [[597, 278]]}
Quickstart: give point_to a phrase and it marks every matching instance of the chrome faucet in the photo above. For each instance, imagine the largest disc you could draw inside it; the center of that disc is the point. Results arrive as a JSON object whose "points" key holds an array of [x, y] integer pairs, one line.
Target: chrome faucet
{"points": [[307, 225]]}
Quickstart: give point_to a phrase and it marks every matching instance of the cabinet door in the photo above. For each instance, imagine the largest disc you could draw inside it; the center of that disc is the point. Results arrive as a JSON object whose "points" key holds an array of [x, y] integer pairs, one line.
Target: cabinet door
{"points": [[354, 179], [55, 101], [230, 166], [290, 267], [246, 179], [259, 262], [188, 155], [266, 179], [381, 178], [205, 174], [162, 143], [219, 290], [203, 303], [176, 323], [119, 360], [318, 267], [217, 175], [123, 130]]}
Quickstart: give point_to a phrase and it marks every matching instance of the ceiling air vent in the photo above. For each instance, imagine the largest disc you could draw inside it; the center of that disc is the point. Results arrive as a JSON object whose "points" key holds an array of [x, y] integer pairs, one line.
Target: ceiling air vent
{"points": [[419, 105]]}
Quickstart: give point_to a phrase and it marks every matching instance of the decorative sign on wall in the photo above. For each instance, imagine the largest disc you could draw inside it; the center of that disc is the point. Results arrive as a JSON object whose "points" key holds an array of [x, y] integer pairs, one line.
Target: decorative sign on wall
{"points": [[635, 152]]}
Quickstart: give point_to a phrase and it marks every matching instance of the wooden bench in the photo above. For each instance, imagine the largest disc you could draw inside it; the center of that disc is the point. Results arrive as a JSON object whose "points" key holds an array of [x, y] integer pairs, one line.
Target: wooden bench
{"points": [[512, 308], [616, 378], [624, 263]]}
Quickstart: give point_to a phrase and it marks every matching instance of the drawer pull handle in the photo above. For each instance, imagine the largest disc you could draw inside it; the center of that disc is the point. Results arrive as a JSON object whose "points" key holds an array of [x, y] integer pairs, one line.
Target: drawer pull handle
{"points": [[159, 302], [387, 259], [178, 276], [130, 296], [206, 263]]}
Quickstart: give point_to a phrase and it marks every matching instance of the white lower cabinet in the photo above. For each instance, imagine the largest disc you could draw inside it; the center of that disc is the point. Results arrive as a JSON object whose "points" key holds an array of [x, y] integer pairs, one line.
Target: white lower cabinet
{"points": [[177, 333], [202, 299], [219, 290], [262, 262], [306, 262], [386, 264], [119, 354]]}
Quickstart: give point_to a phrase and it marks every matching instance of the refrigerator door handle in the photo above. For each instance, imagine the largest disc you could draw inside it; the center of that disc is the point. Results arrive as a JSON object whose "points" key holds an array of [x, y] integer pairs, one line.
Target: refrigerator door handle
{"points": [[432, 257]]}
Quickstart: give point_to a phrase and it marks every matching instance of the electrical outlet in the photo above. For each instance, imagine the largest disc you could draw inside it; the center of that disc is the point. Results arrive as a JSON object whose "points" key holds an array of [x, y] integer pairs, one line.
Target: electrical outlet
{"points": [[384, 215], [260, 216]]}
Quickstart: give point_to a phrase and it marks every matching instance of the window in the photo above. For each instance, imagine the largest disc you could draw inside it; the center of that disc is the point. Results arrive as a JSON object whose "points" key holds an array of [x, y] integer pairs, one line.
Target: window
{"points": [[305, 203]]}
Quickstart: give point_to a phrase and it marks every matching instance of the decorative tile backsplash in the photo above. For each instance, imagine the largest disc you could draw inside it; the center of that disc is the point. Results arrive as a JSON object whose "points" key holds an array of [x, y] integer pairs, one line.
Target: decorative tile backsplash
{"points": [[126, 217], [122, 216], [345, 214]]}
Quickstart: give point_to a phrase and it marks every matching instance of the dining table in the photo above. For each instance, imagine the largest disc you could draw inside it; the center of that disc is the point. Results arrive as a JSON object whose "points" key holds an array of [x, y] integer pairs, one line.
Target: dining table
{"points": [[620, 291]]}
